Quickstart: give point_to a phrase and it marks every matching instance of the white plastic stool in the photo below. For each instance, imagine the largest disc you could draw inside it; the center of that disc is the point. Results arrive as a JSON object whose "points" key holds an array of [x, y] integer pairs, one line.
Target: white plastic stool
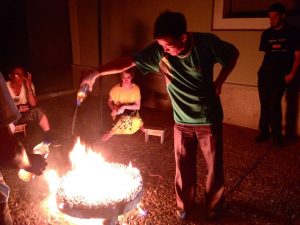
{"points": [[155, 131]]}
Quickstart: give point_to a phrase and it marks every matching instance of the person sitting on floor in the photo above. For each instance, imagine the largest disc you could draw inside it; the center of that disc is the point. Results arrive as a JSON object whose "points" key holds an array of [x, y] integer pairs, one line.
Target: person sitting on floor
{"points": [[124, 102], [22, 91]]}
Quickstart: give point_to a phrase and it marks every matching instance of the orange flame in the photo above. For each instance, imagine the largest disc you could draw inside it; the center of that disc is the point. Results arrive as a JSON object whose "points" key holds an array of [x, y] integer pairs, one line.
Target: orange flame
{"points": [[94, 180]]}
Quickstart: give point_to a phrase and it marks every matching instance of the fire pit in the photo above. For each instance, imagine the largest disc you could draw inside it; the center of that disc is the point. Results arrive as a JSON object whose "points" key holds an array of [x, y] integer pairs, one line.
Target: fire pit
{"points": [[103, 203], [95, 189]]}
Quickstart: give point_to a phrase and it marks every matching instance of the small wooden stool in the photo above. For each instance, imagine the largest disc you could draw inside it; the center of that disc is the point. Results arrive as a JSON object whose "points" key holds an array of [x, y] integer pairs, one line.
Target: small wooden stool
{"points": [[21, 128], [155, 131]]}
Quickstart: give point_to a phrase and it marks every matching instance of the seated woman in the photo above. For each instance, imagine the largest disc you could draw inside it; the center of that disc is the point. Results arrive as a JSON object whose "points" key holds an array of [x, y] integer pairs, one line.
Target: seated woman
{"points": [[124, 102], [22, 91]]}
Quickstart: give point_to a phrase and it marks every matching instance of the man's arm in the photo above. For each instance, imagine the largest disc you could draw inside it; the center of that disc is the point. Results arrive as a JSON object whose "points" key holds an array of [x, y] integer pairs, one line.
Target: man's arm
{"points": [[115, 66], [225, 71], [294, 69]]}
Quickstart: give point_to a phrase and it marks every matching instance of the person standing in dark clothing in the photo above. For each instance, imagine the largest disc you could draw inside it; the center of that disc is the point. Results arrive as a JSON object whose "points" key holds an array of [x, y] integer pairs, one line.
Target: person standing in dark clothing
{"points": [[281, 45]]}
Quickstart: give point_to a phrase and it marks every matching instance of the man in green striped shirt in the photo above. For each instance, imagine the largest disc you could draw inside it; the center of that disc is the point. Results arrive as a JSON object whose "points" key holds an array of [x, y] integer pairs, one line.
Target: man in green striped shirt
{"points": [[186, 60]]}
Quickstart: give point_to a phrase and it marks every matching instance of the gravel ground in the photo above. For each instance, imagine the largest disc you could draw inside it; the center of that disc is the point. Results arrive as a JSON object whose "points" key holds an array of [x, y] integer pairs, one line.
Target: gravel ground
{"points": [[262, 182]]}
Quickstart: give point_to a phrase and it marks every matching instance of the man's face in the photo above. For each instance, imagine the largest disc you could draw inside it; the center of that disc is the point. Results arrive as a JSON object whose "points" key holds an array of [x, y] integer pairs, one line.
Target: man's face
{"points": [[172, 46], [276, 19]]}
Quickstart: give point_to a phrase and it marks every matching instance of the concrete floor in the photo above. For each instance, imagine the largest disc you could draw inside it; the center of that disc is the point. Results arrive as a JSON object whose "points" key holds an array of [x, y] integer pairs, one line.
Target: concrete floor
{"points": [[262, 182]]}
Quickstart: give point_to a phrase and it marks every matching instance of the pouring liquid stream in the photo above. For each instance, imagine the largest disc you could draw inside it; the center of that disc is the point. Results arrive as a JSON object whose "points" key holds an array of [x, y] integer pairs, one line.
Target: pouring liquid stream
{"points": [[81, 96]]}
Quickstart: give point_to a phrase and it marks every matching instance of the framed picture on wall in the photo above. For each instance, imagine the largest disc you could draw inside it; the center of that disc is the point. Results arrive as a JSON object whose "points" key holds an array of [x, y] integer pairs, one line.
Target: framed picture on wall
{"points": [[245, 15]]}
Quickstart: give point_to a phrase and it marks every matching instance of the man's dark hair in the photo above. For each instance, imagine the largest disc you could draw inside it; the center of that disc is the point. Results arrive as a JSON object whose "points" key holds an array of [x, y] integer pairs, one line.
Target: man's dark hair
{"points": [[277, 7], [169, 24]]}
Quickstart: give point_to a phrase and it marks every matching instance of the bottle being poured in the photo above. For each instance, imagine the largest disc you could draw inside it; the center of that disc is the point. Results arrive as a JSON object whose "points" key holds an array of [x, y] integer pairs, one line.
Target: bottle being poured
{"points": [[82, 94]]}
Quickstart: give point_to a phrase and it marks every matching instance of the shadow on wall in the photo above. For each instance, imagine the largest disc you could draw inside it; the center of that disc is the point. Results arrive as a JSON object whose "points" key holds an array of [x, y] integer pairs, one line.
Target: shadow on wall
{"points": [[152, 86], [138, 38], [153, 91]]}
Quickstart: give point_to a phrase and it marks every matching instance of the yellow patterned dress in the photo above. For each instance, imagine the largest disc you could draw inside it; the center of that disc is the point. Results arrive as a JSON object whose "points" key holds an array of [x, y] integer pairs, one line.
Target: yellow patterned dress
{"points": [[129, 122]]}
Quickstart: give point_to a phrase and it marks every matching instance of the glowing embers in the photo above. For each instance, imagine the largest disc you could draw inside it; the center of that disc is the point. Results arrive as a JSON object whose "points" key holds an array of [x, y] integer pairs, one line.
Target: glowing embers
{"points": [[97, 189]]}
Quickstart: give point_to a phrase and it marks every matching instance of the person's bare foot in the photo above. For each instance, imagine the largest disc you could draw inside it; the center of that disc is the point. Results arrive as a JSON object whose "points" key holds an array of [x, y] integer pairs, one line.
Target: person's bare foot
{"points": [[106, 136]]}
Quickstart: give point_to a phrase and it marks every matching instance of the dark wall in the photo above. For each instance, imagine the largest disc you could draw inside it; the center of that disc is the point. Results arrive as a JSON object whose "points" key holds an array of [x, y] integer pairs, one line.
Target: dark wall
{"points": [[38, 37], [13, 34], [256, 8]]}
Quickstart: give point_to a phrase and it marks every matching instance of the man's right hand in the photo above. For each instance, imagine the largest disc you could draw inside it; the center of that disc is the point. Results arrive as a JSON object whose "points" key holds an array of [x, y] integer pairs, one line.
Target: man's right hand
{"points": [[37, 164], [89, 78]]}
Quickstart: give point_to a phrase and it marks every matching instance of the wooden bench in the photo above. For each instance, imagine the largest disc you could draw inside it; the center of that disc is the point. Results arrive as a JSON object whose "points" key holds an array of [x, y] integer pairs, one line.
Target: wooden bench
{"points": [[21, 128], [155, 131]]}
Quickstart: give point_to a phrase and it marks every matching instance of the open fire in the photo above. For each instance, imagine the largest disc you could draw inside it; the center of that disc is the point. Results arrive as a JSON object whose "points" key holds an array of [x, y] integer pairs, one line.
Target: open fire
{"points": [[94, 188]]}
